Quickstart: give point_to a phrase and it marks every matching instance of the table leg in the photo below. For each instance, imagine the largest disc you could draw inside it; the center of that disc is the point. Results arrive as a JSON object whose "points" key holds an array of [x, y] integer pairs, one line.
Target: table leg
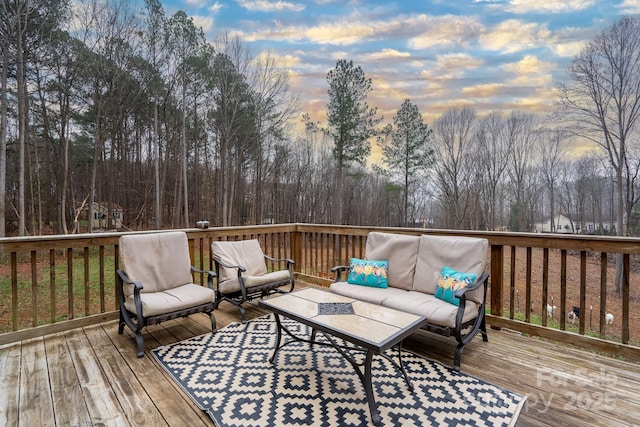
{"points": [[404, 372], [278, 338], [368, 389]]}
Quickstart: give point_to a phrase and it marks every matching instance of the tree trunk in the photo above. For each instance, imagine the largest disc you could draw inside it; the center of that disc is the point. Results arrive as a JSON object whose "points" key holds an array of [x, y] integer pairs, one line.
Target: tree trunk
{"points": [[23, 113], [3, 133]]}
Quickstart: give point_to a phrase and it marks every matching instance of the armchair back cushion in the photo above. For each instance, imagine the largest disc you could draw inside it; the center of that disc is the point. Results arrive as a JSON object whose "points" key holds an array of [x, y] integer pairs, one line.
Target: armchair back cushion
{"points": [[159, 261], [245, 253], [464, 254], [401, 252]]}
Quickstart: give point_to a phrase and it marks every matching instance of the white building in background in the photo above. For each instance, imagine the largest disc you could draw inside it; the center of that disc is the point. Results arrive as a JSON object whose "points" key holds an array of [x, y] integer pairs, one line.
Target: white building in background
{"points": [[565, 225]]}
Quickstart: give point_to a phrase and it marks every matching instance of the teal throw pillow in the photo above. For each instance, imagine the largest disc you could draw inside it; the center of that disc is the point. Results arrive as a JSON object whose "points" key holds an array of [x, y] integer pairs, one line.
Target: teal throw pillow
{"points": [[450, 281], [368, 273]]}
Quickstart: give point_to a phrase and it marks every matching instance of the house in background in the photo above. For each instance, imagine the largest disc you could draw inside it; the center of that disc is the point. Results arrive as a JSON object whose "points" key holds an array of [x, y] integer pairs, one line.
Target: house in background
{"points": [[565, 225], [106, 216], [561, 224]]}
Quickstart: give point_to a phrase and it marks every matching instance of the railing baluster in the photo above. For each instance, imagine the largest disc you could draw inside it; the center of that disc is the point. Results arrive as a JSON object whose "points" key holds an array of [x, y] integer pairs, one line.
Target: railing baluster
{"points": [[603, 294], [14, 290], [528, 285], [52, 284], [102, 284], [34, 288], [563, 289], [583, 291], [625, 299], [87, 292], [512, 283], [70, 283], [545, 285]]}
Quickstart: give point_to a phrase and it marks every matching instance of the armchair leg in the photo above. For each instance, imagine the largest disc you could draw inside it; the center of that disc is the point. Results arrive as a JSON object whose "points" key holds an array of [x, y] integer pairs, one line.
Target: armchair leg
{"points": [[213, 323], [243, 314], [139, 344]]}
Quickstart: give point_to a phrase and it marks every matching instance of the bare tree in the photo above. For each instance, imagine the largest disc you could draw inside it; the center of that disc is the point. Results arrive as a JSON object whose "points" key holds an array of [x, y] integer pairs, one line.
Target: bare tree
{"points": [[520, 129], [494, 149], [551, 151], [602, 104], [454, 164]]}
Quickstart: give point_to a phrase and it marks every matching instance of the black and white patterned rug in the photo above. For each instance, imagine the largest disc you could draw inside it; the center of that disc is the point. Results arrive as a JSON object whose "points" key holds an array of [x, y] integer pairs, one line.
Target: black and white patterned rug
{"points": [[229, 376]]}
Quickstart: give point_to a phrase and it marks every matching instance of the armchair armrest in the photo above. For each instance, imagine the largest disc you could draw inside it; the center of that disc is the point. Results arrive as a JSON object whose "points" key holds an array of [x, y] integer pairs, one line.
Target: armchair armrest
{"points": [[289, 262], [338, 270], [125, 280], [210, 275], [240, 268], [137, 287]]}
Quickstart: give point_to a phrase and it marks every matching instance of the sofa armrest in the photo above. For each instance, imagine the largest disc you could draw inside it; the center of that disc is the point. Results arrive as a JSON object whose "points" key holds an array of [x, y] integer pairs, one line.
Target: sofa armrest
{"points": [[338, 270], [480, 281]]}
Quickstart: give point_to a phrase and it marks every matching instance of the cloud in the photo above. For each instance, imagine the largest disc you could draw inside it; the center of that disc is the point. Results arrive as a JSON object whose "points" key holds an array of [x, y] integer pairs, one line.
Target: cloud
{"points": [[630, 7], [216, 7], [548, 6], [458, 61], [515, 35], [205, 22], [386, 54], [283, 61], [270, 6], [444, 31], [196, 3], [529, 65], [486, 90]]}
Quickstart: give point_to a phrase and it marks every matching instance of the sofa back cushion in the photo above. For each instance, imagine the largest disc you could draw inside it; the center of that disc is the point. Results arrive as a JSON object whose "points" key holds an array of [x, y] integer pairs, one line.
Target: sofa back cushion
{"points": [[245, 253], [464, 254], [401, 252], [159, 261]]}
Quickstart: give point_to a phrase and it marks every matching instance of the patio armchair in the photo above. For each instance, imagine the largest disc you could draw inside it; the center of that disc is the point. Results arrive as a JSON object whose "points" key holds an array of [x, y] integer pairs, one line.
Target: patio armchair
{"points": [[156, 283], [242, 274]]}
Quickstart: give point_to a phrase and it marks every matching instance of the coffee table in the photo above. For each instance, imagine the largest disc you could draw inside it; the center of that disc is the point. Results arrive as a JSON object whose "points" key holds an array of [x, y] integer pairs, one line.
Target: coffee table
{"points": [[370, 328]]}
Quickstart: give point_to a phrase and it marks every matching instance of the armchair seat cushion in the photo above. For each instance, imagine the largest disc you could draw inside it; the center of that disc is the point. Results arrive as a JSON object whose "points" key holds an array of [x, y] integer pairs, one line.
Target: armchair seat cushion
{"points": [[174, 299], [233, 285], [438, 312]]}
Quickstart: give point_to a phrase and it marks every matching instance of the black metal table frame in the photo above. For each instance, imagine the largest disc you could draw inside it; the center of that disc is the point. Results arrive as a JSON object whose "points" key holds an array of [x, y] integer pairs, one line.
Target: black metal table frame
{"points": [[365, 378]]}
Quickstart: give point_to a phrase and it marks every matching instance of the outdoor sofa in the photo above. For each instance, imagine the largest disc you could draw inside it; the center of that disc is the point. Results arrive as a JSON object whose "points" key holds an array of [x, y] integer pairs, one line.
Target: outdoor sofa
{"points": [[422, 275]]}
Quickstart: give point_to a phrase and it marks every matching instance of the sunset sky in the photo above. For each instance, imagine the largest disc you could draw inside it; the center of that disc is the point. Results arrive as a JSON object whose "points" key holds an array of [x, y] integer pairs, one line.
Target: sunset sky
{"points": [[486, 54]]}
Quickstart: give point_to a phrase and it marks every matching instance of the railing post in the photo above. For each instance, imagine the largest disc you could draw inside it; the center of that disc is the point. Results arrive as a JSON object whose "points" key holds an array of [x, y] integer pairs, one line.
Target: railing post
{"points": [[296, 243], [497, 274]]}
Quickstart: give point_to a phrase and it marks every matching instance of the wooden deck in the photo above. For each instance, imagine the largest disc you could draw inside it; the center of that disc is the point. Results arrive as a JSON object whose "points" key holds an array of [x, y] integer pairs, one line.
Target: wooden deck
{"points": [[91, 376]]}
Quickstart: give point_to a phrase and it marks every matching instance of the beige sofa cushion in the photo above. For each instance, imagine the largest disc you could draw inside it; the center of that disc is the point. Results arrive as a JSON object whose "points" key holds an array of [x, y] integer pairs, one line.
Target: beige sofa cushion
{"points": [[365, 293], [246, 253], [465, 254], [175, 299], [401, 252], [437, 311], [159, 261]]}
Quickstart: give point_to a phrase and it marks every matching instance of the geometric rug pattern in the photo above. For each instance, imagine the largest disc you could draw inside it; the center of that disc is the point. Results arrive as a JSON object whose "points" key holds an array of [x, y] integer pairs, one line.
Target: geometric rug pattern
{"points": [[229, 376]]}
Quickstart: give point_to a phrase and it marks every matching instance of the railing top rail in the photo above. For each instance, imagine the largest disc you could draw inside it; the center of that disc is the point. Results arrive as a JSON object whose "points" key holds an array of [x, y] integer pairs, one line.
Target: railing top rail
{"points": [[590, 243]]}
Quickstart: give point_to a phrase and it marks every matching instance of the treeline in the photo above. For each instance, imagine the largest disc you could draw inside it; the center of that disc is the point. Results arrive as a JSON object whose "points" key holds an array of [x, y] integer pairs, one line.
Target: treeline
{"points": [[116, 104]]}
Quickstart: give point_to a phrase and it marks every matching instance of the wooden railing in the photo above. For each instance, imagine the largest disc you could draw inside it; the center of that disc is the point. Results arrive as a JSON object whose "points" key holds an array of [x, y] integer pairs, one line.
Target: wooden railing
{"points": [[54, 283]]}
